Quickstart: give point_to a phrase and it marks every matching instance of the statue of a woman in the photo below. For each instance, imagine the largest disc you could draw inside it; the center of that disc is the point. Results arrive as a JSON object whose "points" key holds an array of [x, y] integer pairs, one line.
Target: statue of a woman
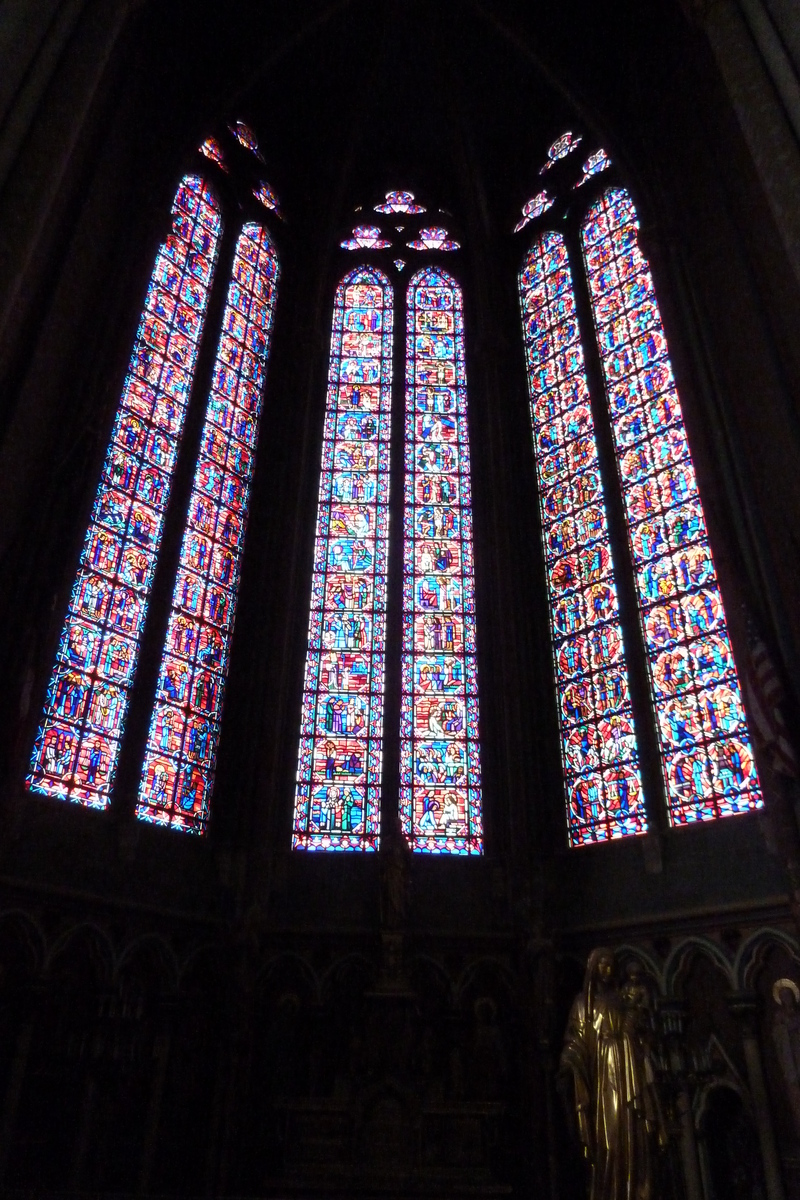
{"points": [[786, 1038], [604, 1061]]}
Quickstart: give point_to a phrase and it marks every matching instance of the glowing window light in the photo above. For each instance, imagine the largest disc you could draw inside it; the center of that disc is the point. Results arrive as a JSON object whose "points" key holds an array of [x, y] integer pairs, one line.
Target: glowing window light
{"points": [[707, 758], [213, 151], [266, 196], [366, 237], [76, 749], [246, 137], [533, 209], [402, 202], [434, 238], [594, 165], [337, 803], [560, 148], [440, 786], [598, 742], [178, 772]]}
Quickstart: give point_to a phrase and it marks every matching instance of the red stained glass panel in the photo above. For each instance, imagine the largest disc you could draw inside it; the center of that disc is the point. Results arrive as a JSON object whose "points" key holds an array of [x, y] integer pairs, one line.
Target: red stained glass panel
{"points": [[178, 772], [76, 750], [440, 772], [598, 739], [337, 802], [705, 746]]}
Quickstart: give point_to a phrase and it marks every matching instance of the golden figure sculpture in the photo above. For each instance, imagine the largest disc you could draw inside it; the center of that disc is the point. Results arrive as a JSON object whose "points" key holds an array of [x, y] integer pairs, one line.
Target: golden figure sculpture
{"points": [[607, 1061], [786, 1039]]}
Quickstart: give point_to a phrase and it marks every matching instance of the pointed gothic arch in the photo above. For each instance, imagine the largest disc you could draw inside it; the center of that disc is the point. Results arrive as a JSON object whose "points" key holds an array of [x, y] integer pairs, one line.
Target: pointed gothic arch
{"points": [[77, 748], [178, 772], [337, 800]]}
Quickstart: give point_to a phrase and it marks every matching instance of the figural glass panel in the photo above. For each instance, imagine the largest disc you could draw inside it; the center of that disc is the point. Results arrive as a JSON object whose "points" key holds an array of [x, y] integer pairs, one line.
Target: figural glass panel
{"points": [[178, 772], [440, 778], [76, 749], [598, 741], [337, 803], [707, 757]]}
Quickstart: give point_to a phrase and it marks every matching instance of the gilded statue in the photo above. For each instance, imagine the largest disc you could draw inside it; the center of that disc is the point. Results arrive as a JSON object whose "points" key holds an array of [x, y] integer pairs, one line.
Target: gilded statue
{"points": [[607, 1066], [786, 1039]]}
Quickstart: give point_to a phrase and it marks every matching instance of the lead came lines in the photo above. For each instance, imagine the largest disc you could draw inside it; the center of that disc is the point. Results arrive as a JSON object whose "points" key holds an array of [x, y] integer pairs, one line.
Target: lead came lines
{"points": [[440, 797], [178, 772], [598, 742], [705, 746], [337, 803], [76, 750]]}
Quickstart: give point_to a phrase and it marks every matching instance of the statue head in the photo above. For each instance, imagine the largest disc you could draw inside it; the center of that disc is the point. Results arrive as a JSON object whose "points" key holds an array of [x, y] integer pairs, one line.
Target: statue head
{"points": [[601, 965], [601, 973], [634, 973]]}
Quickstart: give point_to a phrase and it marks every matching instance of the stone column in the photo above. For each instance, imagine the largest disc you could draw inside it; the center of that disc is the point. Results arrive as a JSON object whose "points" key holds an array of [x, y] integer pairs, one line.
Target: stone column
{"points": [[673, 1015], [33, 40], [42, 127], [744, 1005], [16, 1075], [161, 1053], [759, 83], [781, 69]]}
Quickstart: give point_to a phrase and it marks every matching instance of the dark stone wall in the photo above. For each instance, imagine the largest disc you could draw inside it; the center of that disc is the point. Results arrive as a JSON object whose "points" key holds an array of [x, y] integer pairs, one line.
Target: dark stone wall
{"points": [[206, 1016]]}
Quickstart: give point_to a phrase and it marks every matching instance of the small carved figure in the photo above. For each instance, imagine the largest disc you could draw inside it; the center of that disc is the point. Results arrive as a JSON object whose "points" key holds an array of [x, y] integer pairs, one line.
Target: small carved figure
{"points": [[605, 1060], [639, 1027], [395, 876], [786, 1039]]}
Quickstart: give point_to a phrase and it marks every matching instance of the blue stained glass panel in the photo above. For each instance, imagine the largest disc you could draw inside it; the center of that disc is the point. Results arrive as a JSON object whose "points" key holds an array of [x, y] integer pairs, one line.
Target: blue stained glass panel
{"points": [[705, 746], [76, 749], [337, 802], [598, 740], [440, 774], [178, 772]]}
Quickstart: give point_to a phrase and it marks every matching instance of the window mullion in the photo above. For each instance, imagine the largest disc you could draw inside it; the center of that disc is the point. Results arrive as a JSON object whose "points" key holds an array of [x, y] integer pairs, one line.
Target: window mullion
{"points": [[390, 793]]}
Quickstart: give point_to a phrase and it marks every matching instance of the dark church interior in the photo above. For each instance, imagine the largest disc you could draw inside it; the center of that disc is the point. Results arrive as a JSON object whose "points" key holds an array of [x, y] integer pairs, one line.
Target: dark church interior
{"points": [[239, 1014]]}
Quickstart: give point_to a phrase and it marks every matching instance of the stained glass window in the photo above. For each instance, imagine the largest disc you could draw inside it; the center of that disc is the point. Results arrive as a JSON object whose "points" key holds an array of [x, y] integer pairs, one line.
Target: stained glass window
{"points": [[598, 742], [399, 202], [337, 803], [76, 750], [178, 771], [266, 196], [440, 799], [533, 209], [213, 151], [705, 745], [434, 238], [594, 164], [560, 148], [245, 137], [366, 237]]}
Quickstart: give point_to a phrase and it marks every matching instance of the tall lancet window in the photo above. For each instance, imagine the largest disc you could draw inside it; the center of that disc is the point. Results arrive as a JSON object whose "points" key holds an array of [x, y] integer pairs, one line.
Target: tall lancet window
{"points": [[178, 772], [705, 747], [598, 743], [337, 802], [440, 796], [338, 798], [699, 735], [77, 747]]}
